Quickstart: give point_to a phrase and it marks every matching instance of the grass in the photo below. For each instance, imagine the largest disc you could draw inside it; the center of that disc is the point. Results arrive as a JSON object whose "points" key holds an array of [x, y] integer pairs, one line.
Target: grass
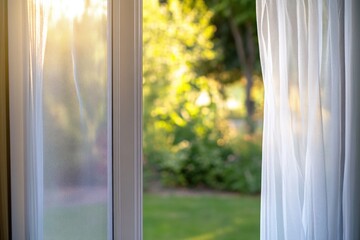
{"points": [[201, 217], [172, 217], [85, 222]]}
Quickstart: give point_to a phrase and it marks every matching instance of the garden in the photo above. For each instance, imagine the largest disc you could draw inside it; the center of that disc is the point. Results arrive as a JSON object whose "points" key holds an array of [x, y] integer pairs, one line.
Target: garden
{"points": [[202, 109], [203, 104]]}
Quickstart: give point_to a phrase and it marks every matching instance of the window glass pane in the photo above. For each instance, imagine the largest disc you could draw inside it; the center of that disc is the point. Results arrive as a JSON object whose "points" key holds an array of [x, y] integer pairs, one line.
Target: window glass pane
{"points": [[76, 124]]}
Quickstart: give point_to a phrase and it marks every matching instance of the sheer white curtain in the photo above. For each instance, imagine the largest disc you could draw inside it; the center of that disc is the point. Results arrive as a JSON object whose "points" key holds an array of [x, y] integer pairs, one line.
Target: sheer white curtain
{"points": [[38, 14], [310, 61], [68, 131]]}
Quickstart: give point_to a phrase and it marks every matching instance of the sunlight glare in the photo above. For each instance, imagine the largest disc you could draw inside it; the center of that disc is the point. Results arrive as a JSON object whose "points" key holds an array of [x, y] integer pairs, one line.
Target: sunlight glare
{"points": [[203, 99], [74, 10], [232, 104], [68, 9]]}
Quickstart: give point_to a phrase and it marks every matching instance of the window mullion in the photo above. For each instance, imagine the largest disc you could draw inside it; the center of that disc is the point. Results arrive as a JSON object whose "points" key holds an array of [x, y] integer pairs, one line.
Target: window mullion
{"points": [[127, 112], [17, 74]]}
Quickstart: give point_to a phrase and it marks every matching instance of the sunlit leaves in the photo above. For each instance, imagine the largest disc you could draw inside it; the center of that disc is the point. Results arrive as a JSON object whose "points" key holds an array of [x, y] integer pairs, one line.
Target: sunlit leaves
{"points": [[177, 35]]}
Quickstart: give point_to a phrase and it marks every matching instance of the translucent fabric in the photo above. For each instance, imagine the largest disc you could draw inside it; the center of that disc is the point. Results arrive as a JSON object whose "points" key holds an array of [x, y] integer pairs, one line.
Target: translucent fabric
{"points": [[309, 57], [68, 114]]}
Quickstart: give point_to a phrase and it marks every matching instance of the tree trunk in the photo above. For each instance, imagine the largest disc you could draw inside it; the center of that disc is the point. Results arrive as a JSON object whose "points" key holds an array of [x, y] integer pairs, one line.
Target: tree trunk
{"points": [[247, 61]]}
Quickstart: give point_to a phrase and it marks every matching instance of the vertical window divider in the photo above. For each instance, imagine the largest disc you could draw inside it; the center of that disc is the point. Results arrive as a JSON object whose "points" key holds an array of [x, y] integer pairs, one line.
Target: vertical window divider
{"points": [[110, 168], [126, 121], [17, 100]]}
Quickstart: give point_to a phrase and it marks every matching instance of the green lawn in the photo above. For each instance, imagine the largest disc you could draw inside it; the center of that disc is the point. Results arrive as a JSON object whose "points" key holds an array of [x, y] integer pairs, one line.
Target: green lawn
{"points": [[206, 217], [173, 217]]}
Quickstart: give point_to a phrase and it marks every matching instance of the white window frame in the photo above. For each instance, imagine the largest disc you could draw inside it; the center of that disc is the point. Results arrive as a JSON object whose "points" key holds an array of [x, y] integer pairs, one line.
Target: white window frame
{"points": [[126, 42]]}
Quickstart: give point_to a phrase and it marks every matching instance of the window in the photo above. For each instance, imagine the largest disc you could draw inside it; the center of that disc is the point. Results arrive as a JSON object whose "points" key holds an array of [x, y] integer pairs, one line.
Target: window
{"points": [[48, 161]]}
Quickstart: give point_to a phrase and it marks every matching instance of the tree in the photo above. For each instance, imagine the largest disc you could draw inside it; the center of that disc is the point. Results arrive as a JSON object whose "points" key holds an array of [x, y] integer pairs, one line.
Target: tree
{"points": [[236, 39]]}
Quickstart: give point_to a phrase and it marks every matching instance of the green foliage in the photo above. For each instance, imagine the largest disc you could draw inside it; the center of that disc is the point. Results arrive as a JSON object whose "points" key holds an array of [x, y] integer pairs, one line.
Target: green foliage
{"points": [[186, 137], [176, 37], [226, 67], [205, 164], [242, 171], [241, 10]]}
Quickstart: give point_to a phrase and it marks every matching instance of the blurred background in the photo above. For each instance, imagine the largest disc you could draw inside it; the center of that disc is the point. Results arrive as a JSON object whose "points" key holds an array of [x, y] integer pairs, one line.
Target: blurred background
{"points": [[203, 109]]}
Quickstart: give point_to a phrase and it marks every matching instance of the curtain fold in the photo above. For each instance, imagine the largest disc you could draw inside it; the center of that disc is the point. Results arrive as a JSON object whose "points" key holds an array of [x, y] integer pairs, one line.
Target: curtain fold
{"points": [[310, 119]]}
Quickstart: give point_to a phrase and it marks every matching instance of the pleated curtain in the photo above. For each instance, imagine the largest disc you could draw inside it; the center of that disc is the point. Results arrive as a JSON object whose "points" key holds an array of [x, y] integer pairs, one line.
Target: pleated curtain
{"points": [[309, 52]]}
